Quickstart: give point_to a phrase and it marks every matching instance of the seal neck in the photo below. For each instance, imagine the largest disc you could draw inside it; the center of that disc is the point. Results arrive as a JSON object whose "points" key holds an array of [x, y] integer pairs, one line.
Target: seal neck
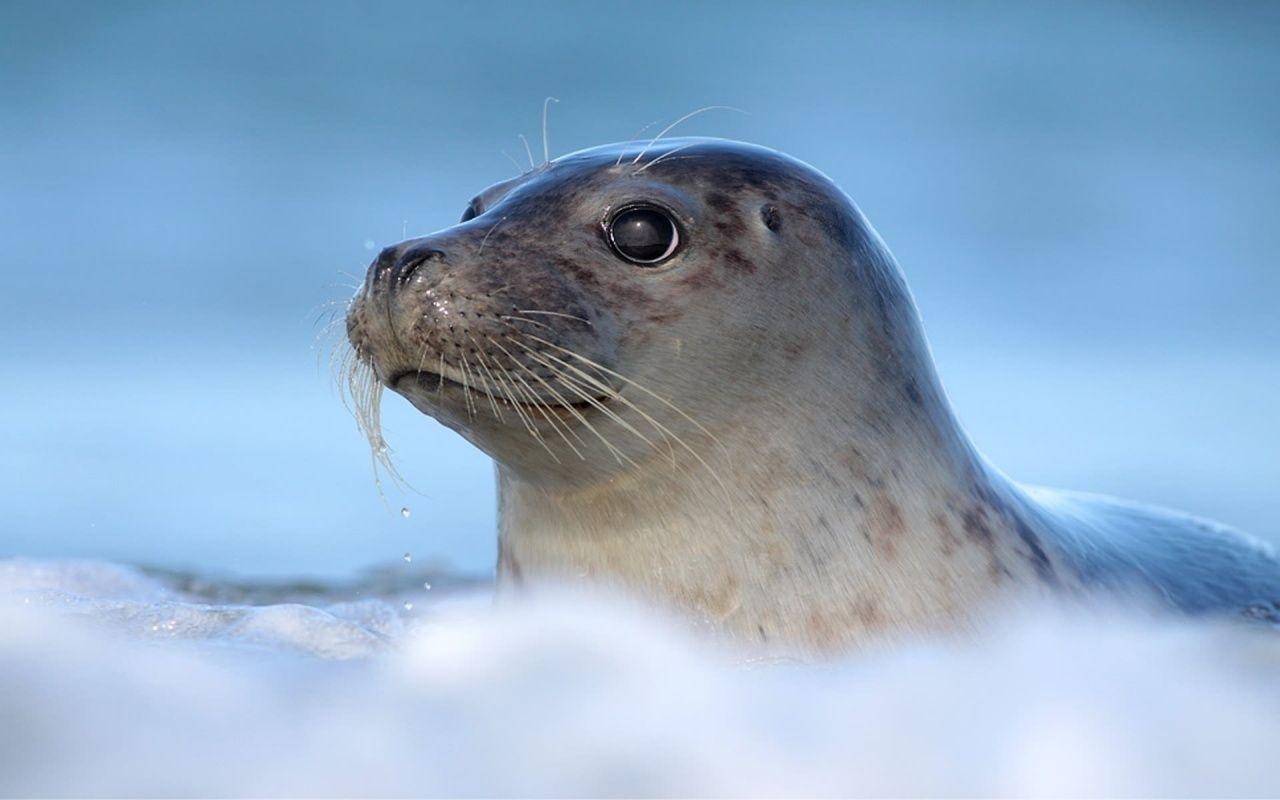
{"points": [[810, 539]]}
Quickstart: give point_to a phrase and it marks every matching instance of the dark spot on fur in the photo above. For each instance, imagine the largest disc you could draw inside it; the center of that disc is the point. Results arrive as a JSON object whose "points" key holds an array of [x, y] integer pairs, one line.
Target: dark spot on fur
{"points": [[731, 227], [1036, 554], [720, 202], [888, 525], [737, 261], [1039, 559], [893, 517], [975, 524], [949, 541], [771, 216], [868, 612], [913, 392], [764, 637]]}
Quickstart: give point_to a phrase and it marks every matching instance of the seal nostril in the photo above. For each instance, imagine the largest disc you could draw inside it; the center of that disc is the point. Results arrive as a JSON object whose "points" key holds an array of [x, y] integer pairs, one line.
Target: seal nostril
{"points": [[412, 260]]}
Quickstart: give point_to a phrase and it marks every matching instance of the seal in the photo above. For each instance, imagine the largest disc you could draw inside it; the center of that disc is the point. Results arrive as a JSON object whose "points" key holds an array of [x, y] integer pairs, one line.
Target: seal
{"points": [[703, 379]]}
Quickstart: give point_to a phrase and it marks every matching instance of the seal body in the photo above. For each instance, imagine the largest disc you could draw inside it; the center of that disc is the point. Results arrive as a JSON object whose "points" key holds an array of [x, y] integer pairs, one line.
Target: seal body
{"points": [[747, 427]]}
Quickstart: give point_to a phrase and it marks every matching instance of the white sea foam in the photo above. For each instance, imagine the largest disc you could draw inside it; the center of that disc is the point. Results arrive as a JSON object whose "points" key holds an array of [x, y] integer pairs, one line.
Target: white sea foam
{"points": [[112, 682]]}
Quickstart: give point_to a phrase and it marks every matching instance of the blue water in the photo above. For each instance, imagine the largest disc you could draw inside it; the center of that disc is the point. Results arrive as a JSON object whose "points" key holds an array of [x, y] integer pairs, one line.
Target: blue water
{"points": [[1082, 196]]}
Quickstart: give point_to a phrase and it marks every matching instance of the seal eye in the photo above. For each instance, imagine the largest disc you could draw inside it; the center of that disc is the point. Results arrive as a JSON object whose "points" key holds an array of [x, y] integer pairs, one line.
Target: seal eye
{"points": [[643, 235], [473, 211]]}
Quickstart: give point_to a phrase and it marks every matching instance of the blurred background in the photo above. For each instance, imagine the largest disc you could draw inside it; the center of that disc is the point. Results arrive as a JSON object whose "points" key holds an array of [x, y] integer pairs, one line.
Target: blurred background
{"points": [[1083, 197]]}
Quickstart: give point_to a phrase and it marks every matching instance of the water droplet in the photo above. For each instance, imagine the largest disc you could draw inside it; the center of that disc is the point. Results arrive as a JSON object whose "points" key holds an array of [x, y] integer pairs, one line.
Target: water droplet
{"points": [[368, 244], [426, 585], [408, 557], [404, 512], [408, 606]]}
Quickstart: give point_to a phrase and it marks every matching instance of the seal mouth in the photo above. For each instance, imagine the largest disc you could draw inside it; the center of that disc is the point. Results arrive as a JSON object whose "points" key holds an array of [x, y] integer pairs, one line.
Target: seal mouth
{"points": [[436, 383]]}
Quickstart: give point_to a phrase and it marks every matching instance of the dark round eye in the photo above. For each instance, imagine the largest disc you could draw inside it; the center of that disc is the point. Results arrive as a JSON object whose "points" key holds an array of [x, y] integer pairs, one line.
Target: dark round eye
{"points": [[473, 211], [644, 235]]}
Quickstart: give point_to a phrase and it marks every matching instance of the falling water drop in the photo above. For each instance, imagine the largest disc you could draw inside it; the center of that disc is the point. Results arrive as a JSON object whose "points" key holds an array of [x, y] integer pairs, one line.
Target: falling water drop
{"points": [[404, 512], [408, 557], [408, 606], [426, 585]]}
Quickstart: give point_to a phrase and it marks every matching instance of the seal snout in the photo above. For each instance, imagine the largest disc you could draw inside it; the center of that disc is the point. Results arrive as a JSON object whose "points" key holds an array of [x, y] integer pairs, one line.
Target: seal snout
{"points": [[411, 261], [398, 264]]}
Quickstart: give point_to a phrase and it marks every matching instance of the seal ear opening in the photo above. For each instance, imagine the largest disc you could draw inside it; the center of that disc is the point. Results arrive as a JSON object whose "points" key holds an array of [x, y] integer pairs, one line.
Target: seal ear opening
{"points": [[771, 216]]}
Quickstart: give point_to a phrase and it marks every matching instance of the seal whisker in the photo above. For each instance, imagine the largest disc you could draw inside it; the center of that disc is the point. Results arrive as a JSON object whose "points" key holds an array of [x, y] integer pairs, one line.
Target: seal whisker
{"points": [[537, 435], [666, 431], [521, 319], [531, 399], [480, 249], [337, 316], [335, 346], [363, 399], [335, 302], [466, 386], [490, 383], [668, 435], [598, 406], [630, 382], [554, 314], [527, 151], [622, 151], [589, 399], [673, 125], [510, 392], [530, 427], [339, 358], [560, 399], [664, 156], [588, 382], [546, 141], [422, 357], [519, 169], [554, 394], [486, 388]]}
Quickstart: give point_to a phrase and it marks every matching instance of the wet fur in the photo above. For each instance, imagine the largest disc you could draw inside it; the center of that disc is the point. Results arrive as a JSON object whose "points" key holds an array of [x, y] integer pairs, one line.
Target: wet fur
{"points": [[770, 449]]}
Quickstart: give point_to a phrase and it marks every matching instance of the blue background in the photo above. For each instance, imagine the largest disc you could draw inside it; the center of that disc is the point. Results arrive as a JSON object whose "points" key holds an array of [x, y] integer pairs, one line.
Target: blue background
{"points": [[1083, 197]]}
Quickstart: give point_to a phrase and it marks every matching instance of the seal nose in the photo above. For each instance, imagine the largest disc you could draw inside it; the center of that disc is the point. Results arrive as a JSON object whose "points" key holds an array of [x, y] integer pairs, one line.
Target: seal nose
{"points": [[395, 266], [413, 259]]}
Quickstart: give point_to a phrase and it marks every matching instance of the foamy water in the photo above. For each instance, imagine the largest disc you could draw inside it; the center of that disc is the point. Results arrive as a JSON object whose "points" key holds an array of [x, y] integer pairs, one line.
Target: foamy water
{"points": [[115, 682]]}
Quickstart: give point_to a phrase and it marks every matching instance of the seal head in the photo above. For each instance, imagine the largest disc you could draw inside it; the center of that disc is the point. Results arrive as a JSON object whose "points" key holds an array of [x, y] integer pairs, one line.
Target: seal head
{"points": [[548, 330]]}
